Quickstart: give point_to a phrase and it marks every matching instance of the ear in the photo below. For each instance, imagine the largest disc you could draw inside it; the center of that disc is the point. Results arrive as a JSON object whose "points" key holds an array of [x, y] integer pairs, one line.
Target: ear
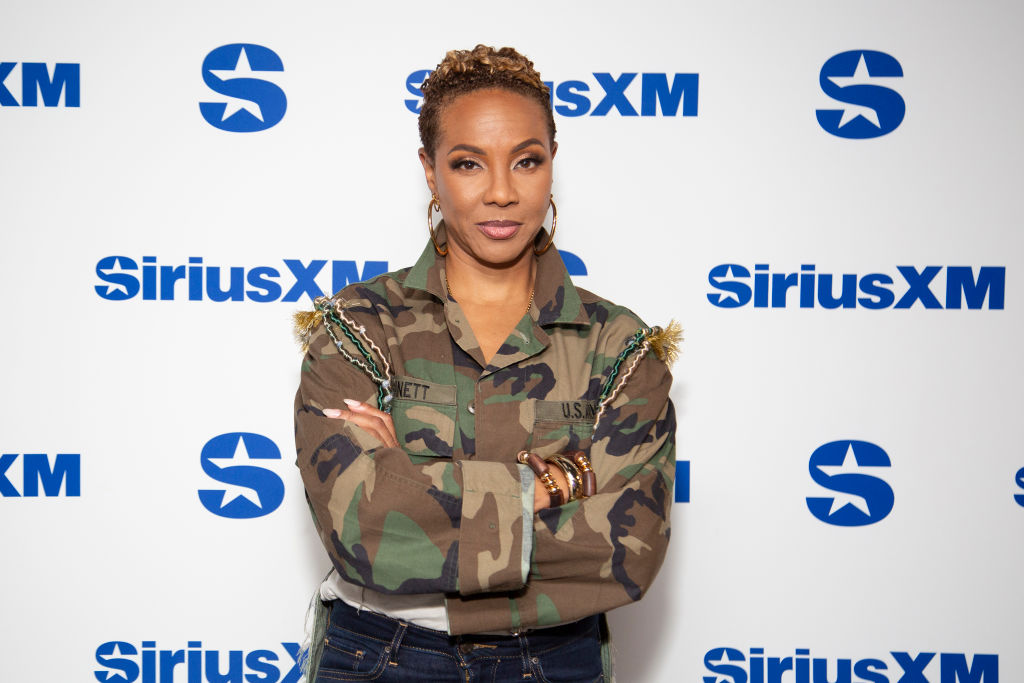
{"points": [[428, 171]]}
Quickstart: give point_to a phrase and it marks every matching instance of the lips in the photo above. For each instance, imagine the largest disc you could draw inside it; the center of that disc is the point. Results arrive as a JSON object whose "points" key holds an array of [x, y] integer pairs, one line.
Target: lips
{"points": [[499, 230]]}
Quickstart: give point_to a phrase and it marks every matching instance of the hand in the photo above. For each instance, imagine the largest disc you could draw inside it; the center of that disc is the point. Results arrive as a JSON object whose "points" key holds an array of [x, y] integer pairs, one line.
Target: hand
{"points": [[376, 422], [541, 499]]}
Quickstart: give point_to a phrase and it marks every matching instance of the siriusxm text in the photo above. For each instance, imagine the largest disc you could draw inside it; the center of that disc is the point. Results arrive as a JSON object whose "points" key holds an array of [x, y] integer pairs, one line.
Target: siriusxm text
{"points": [[39, 473], [731, 665], [605, 94], [965, 286], [196, 281], [38, 83], [123, 662]]}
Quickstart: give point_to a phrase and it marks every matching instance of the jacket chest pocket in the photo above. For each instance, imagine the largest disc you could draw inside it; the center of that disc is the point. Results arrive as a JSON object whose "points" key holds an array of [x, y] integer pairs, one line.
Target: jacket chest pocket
{"points": [[424, 416], [560, 426]]}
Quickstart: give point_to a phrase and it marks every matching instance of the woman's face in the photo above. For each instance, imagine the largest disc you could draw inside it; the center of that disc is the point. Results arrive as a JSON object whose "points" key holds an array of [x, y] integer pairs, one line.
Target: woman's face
{"points": [[491, 172]]}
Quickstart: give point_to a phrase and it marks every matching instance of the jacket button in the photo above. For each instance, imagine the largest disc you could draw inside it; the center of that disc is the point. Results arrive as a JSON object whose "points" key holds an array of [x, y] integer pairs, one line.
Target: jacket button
{"points": [[471, 408]]}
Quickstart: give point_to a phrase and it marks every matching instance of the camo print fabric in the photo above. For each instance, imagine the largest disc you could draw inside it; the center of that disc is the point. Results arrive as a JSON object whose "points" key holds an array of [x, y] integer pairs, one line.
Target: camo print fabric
{"points": [[444, 512]]}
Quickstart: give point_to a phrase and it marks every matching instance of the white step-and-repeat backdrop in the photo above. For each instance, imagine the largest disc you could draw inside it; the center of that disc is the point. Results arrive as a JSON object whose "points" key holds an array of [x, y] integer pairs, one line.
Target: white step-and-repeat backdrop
{"points": [[826, 195]]}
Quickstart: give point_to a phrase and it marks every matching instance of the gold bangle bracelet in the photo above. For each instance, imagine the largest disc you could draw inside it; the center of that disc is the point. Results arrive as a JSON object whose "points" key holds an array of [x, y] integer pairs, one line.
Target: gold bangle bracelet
{"points": [[572, 475]]}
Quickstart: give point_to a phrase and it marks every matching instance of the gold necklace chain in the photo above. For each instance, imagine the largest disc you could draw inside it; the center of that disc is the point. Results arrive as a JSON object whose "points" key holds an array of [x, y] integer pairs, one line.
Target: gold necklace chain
{"points": [[451, 292]]}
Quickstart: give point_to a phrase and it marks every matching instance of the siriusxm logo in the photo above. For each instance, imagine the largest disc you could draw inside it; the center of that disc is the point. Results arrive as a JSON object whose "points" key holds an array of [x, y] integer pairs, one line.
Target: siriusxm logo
{"points": [[860, 498], [1020, 484], [858, 79], [659, 95], [964, 285], [731, 665], [249, 489], [37, 82], [37, 471], [123, 662], [198, 282], [239, 72]]}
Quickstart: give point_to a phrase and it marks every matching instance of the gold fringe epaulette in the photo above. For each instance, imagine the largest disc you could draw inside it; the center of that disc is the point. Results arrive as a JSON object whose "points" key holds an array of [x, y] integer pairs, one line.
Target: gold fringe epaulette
{"points": [[305, 322], [665, 342]]}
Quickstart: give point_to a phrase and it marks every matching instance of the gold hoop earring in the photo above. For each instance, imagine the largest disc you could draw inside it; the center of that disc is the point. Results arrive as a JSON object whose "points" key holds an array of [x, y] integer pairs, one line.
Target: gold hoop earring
{"points": [[554, 226], [434, 204]]}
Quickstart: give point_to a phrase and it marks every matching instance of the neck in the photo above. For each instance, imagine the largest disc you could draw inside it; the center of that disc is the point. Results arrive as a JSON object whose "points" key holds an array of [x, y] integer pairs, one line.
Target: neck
{"points": [[470, 281]]}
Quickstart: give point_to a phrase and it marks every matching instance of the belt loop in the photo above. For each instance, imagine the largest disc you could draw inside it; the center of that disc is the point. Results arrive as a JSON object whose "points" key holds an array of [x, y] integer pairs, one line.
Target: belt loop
{"points": [[396, 643]]}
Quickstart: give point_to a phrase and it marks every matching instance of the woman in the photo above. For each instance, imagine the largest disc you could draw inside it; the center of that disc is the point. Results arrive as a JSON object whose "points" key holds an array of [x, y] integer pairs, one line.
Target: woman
{"points": [[488, 451]]}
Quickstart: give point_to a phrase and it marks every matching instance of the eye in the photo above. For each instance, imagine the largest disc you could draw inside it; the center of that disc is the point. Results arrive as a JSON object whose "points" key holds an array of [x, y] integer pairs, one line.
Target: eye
{"points": [[529, 162], [465, 165]]}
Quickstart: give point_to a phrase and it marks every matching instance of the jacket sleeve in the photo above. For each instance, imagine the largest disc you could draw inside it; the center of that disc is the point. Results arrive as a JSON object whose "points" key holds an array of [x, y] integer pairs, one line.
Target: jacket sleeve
{"points": [[601, 552], [398, 523]]}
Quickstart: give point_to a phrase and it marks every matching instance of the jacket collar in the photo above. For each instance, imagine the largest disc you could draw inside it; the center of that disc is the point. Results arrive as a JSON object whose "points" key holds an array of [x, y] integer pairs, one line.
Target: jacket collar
{"points": [[555, 299]]}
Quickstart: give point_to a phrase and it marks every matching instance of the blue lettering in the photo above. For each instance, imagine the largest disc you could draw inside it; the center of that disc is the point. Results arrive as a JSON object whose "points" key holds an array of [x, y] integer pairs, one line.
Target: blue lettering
{"points": [[682, 481], [195, 278], [129, 283], [169, 275], [258, 662], [615, 94], [655, 89], [847, 294], [984, 668], [717, 662], [304, 279], [149, 278], [1019, 497], [569, 92], [6, 98], [236, 288], [870, 671], [234, 673], [35, 79], [412, 84], [169, 659], [781, 282], [878, 296], [262, 278], [295, 673], [761, 285], [913, 667], [7, 489], [105, 658], [960, 280], [919, 290], [344, 272], [738, 292], [66, 469]]}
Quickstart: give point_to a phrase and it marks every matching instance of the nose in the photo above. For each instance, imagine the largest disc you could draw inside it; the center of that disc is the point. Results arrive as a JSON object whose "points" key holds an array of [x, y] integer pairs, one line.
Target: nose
{"points": [[501, 189]]}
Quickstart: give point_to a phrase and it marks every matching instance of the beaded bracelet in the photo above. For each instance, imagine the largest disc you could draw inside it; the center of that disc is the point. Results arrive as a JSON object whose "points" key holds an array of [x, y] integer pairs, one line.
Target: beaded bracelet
{"points": [[541, 469], [589, 483]]}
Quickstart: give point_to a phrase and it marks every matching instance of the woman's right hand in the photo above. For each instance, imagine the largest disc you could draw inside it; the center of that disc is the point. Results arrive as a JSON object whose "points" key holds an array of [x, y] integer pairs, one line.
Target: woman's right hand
{"points": [[368, 418]]}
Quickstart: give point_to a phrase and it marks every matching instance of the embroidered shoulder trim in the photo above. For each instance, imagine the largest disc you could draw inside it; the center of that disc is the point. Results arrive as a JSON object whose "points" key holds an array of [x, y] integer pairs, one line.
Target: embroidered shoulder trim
{"points": [[367, 356], [665, 344]]}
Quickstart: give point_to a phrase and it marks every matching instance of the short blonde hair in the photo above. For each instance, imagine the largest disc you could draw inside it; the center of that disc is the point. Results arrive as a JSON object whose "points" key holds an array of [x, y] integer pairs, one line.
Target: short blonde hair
{"points": [[482, 68]]}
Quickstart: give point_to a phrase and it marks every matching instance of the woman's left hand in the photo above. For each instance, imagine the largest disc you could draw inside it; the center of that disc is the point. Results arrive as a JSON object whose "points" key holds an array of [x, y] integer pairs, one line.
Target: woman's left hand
{"points": [[372, 420]]}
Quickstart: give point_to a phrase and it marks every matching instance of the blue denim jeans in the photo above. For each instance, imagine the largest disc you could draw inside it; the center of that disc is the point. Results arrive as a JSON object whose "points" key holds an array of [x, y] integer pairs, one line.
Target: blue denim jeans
{"points": [[365, 646]]}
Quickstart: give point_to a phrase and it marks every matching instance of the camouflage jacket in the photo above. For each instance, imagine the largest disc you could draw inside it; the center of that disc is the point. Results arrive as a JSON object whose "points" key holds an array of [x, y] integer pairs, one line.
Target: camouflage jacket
{"points": [[444, 513]]}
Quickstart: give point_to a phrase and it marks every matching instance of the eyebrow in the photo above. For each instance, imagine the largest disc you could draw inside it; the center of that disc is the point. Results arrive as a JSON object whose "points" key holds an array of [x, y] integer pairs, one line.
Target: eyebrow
{"points": [[476, 150]]}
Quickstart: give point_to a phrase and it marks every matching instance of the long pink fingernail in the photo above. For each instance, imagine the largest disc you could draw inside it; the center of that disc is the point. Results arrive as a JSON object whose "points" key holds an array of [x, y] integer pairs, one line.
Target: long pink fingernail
{"points": [[331, 412], [352, 403]]}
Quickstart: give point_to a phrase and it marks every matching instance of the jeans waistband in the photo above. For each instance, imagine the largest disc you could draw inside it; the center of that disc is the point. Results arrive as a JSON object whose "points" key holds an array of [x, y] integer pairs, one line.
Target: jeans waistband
{"points": [[383, 628]]}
